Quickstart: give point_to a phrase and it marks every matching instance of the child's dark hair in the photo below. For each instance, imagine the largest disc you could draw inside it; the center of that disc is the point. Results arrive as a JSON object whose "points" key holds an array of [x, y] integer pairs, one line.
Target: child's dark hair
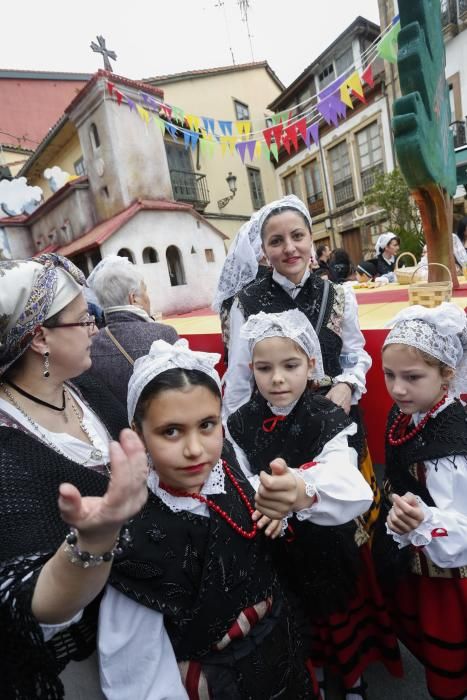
{"points": [[175, 378], [460, 231], [340, 265], [281, 210]]}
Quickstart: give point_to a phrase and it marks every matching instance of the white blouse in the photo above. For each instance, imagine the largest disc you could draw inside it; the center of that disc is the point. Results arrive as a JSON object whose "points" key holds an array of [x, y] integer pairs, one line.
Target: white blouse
{"points": [[443, 532], [238, 380]]}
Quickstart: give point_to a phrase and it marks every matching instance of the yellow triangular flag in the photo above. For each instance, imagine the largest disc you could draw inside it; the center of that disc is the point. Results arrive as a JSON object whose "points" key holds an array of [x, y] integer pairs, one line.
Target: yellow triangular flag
{"points": [[257, 152], [355, 84], [143, 113], [193, 122], [344, 95]]}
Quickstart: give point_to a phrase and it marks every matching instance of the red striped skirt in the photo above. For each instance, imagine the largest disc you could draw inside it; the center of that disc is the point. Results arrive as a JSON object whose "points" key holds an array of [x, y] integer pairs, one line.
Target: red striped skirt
{"points": [[430, 616], [349, 642]]}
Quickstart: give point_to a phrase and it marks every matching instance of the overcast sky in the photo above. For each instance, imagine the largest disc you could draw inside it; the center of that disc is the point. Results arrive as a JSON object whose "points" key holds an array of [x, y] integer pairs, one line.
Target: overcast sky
{"points": [[167, 36]]}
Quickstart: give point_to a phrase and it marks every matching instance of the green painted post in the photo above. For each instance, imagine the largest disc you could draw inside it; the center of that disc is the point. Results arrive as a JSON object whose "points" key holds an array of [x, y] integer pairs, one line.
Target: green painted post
{"points": [[423, 140]]}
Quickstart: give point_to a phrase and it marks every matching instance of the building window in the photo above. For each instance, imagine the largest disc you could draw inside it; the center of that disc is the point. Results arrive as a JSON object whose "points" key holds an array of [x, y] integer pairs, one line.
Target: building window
{"points": [[94, 134], [150, 255], [291, 184], [241, 110], [79, 167], [209, 253], [326, 76], [344, 61], [314, 190], [256, 188], [175, 266], [341, 174], [370, 151], [126, 253]]}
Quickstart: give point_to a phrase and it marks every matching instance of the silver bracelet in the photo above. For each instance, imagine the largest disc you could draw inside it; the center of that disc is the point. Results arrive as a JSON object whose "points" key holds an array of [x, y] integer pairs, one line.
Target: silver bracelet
{"points": [[87, 560]]}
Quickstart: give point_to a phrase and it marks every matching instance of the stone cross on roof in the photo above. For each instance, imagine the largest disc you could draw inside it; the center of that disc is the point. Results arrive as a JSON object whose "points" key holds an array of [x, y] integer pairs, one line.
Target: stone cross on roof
{"points": [[106, 53]]}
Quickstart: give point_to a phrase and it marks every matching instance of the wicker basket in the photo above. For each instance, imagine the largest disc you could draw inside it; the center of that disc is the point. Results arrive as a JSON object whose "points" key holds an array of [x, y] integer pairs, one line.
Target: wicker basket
{"points": [[404, 274], [430, 294]]}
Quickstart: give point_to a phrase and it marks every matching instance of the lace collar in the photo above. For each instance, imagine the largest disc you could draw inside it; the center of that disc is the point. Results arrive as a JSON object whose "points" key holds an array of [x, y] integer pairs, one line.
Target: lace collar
{"points": [[285, 283], [214, 484], [283, 410], [417, 417]]}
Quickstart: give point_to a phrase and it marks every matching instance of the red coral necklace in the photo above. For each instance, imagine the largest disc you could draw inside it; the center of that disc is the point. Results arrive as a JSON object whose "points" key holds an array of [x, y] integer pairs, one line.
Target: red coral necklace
{"points": [[241, 531], [395, 442]]}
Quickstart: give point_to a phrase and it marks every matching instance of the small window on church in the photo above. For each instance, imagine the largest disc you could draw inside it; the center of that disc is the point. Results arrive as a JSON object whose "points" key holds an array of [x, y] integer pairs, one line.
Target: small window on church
{"points": [[95, 140], [209, 253], [193, 251], [126, 253], [150, 255]]}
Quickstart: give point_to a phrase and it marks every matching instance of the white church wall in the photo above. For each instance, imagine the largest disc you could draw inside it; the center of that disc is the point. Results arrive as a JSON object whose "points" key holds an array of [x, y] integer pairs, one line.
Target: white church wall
{"points": [[69, 219], [160, 230]]}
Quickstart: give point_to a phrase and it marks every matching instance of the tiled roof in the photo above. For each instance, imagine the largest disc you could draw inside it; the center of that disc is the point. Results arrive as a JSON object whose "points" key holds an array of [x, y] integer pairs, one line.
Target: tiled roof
{"points": [[206, 72], [100, 233], [118, 80]]}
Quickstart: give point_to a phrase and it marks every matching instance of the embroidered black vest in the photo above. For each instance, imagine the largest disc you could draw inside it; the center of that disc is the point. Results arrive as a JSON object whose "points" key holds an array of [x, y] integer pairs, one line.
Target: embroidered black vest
{"points": [[268, 296], [318, 563], [197, 571], [298, 438]]}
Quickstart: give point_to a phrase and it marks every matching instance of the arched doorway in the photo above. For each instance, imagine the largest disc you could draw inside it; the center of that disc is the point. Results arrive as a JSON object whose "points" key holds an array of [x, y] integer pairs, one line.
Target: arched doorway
{"points": [[126, 253], [175, 266]]}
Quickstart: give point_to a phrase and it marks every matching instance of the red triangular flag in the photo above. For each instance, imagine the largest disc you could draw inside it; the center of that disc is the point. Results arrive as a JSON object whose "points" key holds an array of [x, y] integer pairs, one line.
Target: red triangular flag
{"points": [[111, 87], [292, 134], [367, 76], [277, 131], [286, 141], [267, 133], [119, 96], [301, 127]]}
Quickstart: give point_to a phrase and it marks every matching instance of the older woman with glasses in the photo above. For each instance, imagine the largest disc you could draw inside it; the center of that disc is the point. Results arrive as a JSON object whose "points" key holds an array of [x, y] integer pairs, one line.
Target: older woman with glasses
{"points": [[62, 519]]}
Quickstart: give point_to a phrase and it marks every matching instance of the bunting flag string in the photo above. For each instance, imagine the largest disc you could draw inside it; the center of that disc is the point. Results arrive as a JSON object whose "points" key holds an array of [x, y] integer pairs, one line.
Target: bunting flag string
{"points": [[287, 127]]}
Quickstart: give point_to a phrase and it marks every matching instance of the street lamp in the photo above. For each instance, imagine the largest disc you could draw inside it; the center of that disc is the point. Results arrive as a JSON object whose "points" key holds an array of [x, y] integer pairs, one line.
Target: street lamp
{"points": [[232, 183]]}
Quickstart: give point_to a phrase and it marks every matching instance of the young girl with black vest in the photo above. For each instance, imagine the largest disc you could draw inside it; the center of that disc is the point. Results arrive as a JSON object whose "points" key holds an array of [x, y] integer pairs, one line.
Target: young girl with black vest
{"points": [[320, 559], [421, 546], [217, 624]]}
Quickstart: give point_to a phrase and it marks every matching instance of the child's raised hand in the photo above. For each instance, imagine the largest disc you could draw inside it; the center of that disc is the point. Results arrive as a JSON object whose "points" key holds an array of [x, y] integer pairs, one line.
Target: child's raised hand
{"points": [[405, 515], [277, 492], [273, 527]]}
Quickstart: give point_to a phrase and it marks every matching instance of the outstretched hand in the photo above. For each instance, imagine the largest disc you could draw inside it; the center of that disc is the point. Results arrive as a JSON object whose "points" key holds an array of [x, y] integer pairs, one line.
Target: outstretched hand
{"points": [[277, 492], [99, 517]]}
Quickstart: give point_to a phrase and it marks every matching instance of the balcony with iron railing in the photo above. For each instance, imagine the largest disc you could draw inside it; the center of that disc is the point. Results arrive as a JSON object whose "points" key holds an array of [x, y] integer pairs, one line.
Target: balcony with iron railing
{"points": [[343, 192], [190, 187], [459, 132], [316, 204], [369, 176]]}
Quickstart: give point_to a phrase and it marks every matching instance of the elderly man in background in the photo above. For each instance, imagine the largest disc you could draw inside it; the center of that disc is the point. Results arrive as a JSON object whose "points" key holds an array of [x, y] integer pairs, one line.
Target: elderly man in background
{"points": [[130, 331]]}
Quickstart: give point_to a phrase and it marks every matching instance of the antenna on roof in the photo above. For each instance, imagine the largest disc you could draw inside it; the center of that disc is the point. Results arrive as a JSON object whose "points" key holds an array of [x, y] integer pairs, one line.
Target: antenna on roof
{"points": [[244, 6], [221, 4]]}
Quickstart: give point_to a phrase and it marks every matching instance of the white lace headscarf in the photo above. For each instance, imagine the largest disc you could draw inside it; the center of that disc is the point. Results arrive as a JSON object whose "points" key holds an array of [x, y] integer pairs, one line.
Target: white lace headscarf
{"points": [[241, 264], [440, 332], [384, 240], [291, 324], [163, 356]]}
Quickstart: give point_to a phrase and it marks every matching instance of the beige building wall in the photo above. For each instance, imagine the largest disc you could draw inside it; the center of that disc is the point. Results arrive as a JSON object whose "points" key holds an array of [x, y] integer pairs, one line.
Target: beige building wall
{"points": [[65, 158], [213, 96]]}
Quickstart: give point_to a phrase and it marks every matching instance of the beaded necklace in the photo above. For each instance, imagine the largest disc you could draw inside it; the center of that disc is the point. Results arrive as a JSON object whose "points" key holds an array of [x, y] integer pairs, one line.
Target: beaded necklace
{"points": [[96, 453], [395, 442], [240, 530]]}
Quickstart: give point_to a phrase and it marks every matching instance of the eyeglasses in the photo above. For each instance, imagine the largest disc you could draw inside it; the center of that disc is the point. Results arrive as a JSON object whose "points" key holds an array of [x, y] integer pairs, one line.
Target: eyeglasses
{"points": [[89, 323]]}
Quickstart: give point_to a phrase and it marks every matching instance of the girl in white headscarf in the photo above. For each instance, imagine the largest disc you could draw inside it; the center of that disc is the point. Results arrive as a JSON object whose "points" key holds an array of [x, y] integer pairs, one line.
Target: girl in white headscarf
{"points": [[285, 420], [199, 563], [423, 533], [387, 248]]}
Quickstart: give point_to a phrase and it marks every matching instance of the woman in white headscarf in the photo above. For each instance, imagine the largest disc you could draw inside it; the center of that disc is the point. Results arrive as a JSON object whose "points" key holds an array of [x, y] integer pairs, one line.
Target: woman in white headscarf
{"points": [[387, 248], [284, 229], [57, 546]]}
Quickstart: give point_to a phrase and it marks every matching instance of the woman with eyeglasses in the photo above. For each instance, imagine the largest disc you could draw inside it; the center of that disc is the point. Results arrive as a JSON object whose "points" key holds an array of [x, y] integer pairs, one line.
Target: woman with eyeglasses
{"points": [[62, 519]]}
